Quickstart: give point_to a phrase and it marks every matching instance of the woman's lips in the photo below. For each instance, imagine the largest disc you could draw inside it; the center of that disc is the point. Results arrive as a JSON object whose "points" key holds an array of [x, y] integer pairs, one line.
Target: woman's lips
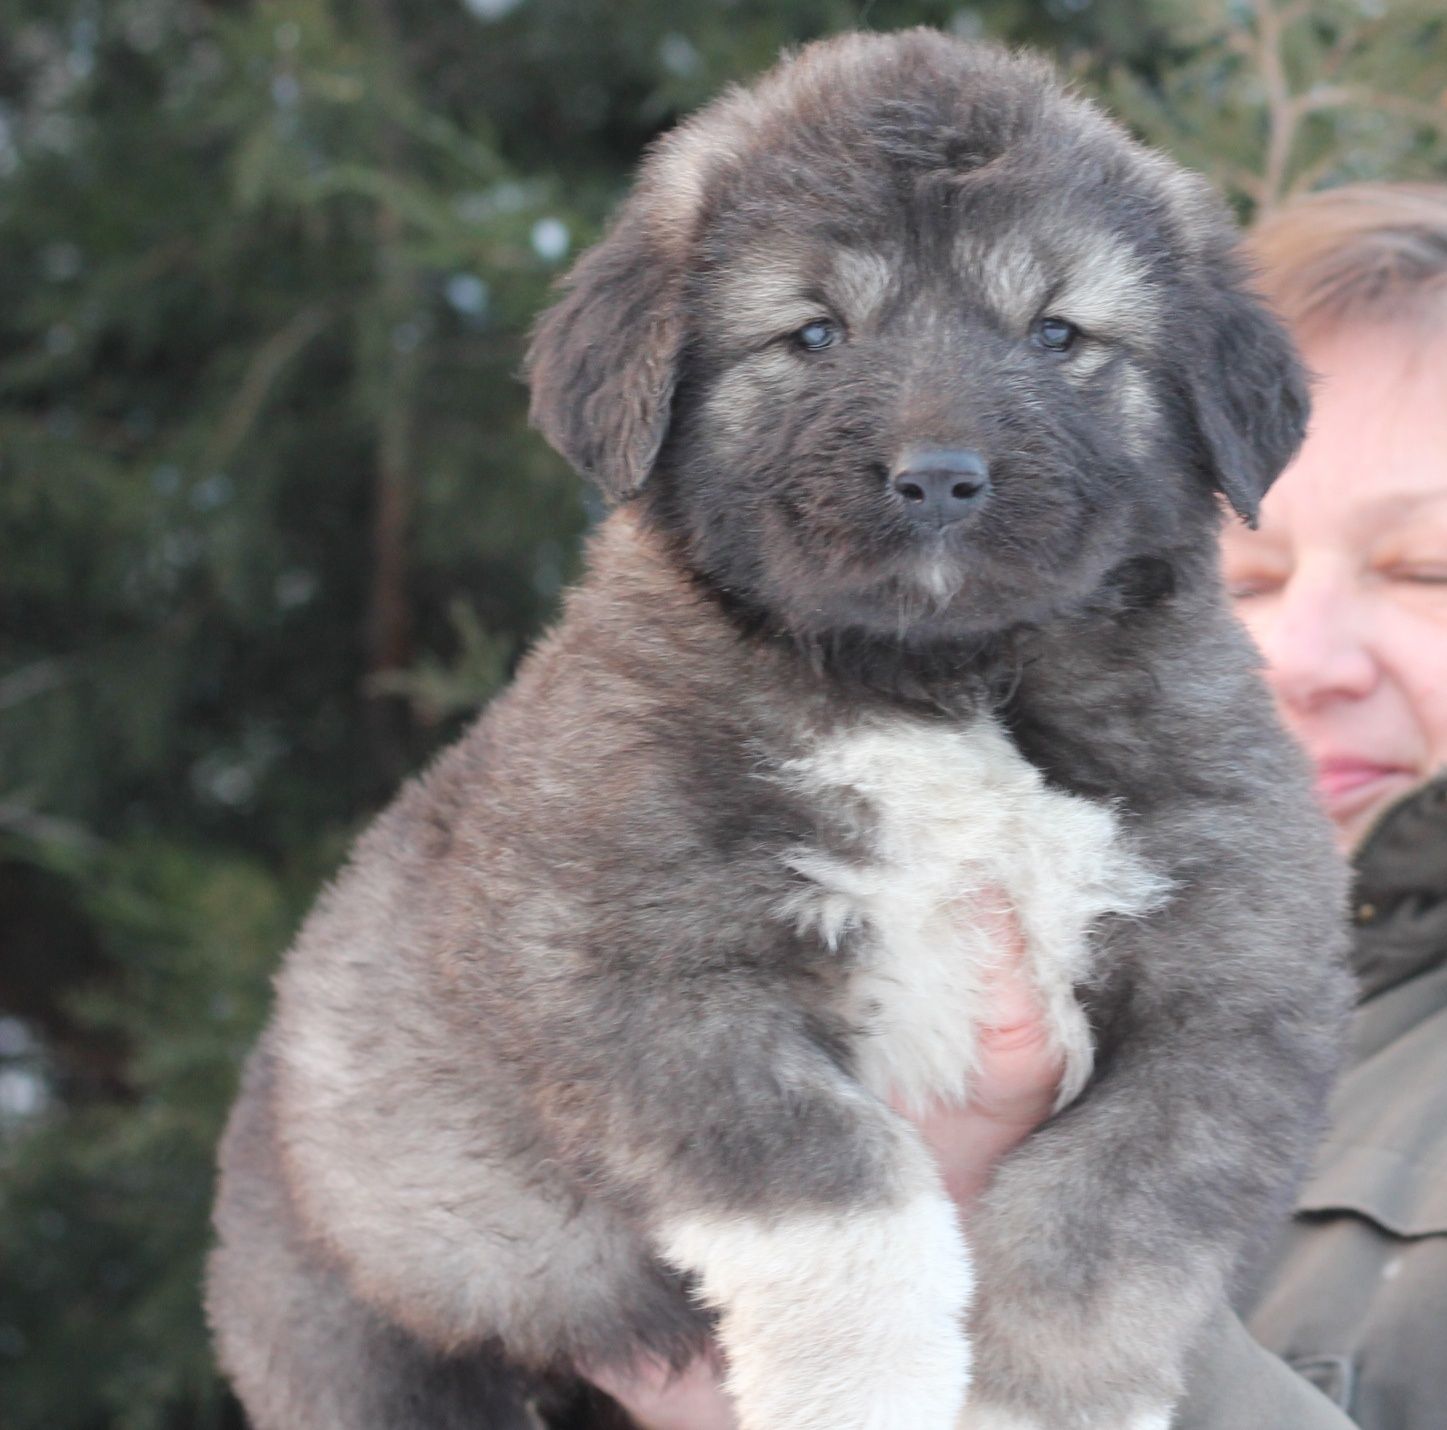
{"points": [[1349, 782]]}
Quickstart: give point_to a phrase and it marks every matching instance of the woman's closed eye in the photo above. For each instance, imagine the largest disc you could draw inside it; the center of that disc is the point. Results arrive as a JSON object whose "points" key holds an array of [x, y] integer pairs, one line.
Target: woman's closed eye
{"points": [[1243, 588], [1251, 574], [1414, 555], [1417, 573]]}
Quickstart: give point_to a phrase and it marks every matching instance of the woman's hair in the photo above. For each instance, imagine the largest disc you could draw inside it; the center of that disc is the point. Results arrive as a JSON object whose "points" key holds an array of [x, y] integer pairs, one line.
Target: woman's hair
{"points": [[1373, 253]]}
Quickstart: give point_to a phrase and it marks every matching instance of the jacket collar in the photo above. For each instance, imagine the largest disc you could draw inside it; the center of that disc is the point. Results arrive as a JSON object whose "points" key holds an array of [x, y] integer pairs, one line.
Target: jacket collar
{"points": [[1400, 891]]}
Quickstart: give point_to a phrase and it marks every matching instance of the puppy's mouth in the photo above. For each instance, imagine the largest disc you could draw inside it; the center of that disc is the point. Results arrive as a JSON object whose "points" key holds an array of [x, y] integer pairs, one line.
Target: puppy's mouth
{"points": [[942, 585], [943, 562], [936, 570], [968, 582]]}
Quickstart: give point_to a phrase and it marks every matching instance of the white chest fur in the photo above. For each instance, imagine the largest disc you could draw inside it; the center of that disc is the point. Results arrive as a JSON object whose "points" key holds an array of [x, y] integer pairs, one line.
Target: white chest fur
{"points": [[956, 822]]}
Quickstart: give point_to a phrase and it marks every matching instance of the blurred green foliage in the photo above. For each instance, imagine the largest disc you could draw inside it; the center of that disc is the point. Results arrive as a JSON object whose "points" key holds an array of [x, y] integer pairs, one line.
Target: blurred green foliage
{"points": [[272, 524]]}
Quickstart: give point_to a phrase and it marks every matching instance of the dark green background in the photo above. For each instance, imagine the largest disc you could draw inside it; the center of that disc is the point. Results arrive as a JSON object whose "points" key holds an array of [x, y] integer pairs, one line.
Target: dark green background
{"points": [[272, 525]]}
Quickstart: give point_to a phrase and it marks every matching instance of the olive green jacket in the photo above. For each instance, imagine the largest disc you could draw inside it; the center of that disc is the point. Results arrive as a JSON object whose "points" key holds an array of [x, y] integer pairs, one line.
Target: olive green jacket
{"points": [[1354, 1299]]}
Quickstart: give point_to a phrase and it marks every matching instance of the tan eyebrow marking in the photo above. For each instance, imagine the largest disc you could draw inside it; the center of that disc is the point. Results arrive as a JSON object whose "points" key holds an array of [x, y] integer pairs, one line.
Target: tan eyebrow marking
{"points": [[1007, 274], [1107, 289], [762, 295], [767, 292], [859, 282]]}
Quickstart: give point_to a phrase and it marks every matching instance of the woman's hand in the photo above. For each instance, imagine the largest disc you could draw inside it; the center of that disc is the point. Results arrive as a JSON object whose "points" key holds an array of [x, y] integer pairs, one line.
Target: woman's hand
{"points": [[1012, 1094], [1015, 1088]]}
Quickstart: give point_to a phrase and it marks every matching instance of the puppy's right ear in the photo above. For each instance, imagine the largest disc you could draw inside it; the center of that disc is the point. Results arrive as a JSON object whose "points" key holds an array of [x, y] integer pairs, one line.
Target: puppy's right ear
{"points": [[603, 362]]}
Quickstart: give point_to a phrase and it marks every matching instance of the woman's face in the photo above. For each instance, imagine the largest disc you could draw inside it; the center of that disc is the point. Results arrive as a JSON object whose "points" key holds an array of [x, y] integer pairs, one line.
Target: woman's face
{"points": [[1344, 586]]}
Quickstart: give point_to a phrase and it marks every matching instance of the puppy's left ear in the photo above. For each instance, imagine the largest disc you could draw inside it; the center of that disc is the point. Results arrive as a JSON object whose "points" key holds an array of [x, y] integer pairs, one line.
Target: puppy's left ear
{"points": [[603, 362], [1247, 389]]}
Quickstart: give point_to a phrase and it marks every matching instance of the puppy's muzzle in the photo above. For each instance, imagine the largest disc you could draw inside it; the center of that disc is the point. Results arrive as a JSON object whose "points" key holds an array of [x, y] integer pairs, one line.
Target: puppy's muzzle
{"points": [[940, 486]]}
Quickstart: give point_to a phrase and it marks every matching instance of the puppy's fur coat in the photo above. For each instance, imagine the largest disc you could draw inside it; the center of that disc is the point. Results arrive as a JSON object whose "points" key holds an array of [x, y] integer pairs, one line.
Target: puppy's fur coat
{"points": [[586, 1051]]}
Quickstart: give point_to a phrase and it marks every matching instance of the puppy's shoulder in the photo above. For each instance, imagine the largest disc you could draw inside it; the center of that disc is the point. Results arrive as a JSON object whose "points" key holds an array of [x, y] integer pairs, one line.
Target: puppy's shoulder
{"points": [[1163, 701], [638, 636]]}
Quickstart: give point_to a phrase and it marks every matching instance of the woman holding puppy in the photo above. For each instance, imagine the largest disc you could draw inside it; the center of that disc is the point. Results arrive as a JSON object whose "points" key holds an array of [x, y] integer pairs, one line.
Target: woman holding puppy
{"points": [[1344, 587]]}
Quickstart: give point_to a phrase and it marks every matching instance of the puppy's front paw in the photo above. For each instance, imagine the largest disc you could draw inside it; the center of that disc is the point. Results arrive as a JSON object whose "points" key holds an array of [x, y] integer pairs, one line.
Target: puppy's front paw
{"points": [[980, 1416], [990, 1417], [976, 1416], [837, 1321]]}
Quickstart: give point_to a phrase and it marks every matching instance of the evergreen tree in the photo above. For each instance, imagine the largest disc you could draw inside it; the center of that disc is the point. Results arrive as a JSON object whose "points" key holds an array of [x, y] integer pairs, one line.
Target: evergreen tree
{"points": [[1274, 97]]}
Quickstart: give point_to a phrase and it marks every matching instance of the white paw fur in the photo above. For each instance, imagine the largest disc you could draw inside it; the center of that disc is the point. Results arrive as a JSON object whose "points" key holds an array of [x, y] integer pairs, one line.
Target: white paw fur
{"points": [[976, 1416], [839, 1321]]}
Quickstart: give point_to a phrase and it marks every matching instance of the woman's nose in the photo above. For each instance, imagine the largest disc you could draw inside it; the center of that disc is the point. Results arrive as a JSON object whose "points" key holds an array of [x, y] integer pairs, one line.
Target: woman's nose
{"points": [[1316, 641]]}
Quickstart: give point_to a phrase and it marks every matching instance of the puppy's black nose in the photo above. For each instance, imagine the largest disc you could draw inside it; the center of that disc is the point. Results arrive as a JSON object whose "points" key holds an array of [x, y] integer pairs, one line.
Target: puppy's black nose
{"points": [[941, 485]]}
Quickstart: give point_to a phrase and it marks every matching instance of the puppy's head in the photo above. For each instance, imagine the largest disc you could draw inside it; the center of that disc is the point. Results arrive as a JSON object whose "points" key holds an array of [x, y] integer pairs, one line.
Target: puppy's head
{"points": [[907, 340]]}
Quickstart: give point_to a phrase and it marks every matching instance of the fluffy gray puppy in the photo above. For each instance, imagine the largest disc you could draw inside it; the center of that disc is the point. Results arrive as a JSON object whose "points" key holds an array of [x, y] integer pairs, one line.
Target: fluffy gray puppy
{"points": [[913, 381]]}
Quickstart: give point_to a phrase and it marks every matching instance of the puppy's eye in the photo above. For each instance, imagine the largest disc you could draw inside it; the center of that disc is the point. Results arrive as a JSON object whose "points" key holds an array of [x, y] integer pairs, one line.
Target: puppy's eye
{"points": [[1054, 334], [816, 336]]}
